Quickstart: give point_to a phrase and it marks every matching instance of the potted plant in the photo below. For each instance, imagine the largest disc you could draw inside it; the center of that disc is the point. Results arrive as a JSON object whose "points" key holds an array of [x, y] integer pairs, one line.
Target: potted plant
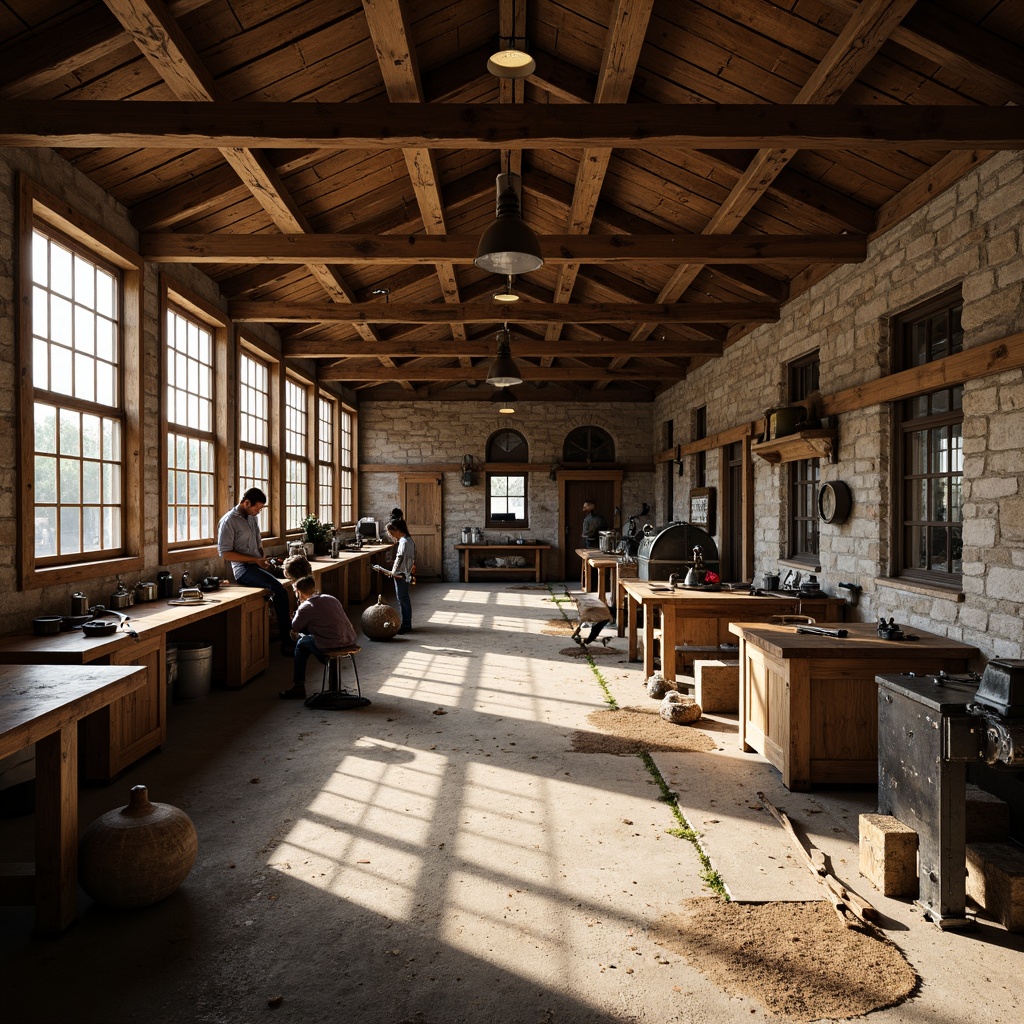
{"points": [[316, 534]]}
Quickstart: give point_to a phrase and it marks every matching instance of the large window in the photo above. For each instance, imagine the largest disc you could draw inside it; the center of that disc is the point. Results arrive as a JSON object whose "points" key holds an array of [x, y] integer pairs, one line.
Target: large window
{"points": [[254, 429], [325, 459], [804, 474], [507, 492], [929, 457], [588, 445], [191, 439], [78, 409], [346, 466], [296, 453]]}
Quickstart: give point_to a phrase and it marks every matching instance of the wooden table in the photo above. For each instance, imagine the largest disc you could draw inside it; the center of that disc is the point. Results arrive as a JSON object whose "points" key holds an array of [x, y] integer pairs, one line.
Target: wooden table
{"points": [[347, 577], [598, 567], [233, 621], [42, 705], [810, 703], [700, 618], [468, 571]]}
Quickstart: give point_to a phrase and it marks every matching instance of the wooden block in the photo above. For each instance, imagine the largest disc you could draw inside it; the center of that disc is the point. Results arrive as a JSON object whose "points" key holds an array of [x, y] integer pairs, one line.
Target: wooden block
{"points": [[987, 817], [995, 881], [888, 854], [716, 685]]}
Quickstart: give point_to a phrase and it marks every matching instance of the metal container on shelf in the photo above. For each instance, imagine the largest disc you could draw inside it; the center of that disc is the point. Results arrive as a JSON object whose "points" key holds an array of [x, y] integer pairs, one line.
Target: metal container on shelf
{"points": [[467, 534], [476, 535]]}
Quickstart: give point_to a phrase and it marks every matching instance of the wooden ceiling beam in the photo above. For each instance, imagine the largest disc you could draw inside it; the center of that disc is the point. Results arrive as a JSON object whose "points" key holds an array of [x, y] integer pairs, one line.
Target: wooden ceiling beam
{"points": [[173, 124], [491, 312], [317, 348], [556, 249], [367, 371]]}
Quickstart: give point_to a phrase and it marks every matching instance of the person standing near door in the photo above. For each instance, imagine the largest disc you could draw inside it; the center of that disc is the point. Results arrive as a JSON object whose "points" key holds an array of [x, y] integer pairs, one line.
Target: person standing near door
{"points": [[593, 523], [405, 560]]}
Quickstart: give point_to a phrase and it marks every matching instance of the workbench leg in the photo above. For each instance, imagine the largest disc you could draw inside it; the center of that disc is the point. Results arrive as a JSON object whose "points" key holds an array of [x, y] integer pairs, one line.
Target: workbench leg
{"points": [[632, 607], [648, 642], [57, 830], [620, 610], [668, 641], [796, 746]]}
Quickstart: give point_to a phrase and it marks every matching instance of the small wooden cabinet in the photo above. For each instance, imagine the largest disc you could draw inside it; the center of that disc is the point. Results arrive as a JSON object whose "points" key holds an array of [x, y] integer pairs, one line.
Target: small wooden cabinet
{"points": [[120, 733]]}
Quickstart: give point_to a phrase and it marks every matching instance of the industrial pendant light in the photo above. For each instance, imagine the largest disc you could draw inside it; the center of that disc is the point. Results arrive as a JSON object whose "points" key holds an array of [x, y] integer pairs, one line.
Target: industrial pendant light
{"points": [[506, 294], [509, 61], [504, 372], [508, 246], [506, 401]]}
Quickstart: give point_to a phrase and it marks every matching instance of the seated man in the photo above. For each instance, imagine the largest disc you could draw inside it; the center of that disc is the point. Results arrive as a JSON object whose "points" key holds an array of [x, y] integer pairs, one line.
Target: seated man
{"points": [[320, 624], [239, 543]]}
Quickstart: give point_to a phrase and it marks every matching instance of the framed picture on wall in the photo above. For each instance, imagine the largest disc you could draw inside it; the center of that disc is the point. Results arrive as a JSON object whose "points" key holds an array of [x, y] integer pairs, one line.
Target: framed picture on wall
{"points": [[702, 508]]}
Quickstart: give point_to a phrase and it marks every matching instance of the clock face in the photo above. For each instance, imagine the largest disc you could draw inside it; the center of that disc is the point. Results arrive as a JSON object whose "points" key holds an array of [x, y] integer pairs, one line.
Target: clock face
{"points": [[834, 502]]}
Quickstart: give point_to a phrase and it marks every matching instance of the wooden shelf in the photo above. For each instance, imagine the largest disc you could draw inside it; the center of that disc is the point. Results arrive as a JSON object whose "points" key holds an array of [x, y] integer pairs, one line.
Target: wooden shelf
{"points": [[804, 444]]}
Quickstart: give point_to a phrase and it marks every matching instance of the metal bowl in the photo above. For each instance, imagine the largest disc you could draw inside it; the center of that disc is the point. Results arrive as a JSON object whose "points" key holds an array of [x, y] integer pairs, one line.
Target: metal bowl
{"points": [[74, 621], [47, 625], [99, 627]]}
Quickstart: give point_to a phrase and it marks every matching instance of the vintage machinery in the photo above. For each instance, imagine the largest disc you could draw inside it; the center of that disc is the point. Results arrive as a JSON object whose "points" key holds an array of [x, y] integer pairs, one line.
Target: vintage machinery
{"points": [[931, 728], [668, 549]]}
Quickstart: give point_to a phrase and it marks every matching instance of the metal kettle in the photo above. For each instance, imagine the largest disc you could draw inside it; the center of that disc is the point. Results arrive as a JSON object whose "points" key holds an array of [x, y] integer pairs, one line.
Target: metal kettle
{"points": [[121, 597], [79, 603], [695, 575]]}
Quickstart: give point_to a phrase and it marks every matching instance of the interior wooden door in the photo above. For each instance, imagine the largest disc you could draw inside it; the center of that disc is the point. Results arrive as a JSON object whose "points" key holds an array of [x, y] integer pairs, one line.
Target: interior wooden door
{"points": [[604, 489], [421, 502]]}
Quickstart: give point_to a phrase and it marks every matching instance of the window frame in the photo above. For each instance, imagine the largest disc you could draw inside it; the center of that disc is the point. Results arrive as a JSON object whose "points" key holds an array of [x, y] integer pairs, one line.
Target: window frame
{"points": [[176, 296], [325, 399], [803, 532], [248, 349], [508, 466], [307, 457], [347, 476], [38, 207], [907, 423]]}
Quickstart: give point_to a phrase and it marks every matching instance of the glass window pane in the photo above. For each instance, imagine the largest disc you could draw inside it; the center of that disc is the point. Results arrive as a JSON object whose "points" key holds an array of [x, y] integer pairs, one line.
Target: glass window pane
{"points": [[70, 432], [46, 428], [46, 479], [46, 531], [70, 530]]}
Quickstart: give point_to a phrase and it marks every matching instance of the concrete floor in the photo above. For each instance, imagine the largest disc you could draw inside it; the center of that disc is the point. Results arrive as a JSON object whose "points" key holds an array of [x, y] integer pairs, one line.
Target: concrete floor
{"points": [[443, 857]]}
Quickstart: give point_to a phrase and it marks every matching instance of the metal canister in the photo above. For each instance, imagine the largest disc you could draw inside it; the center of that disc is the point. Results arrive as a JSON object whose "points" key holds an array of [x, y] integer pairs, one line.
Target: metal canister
{"points": [[467, 534], [79, 604], [164, 584], [476, 535]]}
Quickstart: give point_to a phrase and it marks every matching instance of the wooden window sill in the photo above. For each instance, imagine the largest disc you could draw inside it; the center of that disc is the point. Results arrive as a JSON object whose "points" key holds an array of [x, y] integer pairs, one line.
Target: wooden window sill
{"points": [[924, 589]]}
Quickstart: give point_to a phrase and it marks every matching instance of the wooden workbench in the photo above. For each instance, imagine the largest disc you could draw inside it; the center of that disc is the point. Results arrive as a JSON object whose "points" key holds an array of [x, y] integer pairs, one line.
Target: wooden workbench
{"points": [[700, 618], [810, 703], [469, 551], [43, 705]]}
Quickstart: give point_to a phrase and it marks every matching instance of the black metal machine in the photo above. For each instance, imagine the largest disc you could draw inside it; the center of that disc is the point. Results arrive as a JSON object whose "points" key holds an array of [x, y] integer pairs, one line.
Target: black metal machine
{"points": [[668, 549], [931, 729]]}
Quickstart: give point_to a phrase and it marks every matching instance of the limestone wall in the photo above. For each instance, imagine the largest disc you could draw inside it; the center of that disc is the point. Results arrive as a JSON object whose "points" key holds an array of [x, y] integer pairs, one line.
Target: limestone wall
{"points": [[971, 234], [414, 434]]}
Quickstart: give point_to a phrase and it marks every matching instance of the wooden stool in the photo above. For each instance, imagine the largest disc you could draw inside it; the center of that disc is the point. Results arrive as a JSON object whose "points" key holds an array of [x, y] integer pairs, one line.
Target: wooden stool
{"points": [[332, 669]]}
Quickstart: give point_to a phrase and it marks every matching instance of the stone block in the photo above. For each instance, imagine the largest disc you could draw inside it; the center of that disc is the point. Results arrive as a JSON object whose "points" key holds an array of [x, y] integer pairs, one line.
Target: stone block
{"points": [[888, 854], [987, 817], [716, 685], [995, 881]]}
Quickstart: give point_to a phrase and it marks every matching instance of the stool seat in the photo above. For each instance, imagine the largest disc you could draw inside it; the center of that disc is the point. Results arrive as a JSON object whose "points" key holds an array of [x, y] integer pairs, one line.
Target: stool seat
{"points": [[332, 667]]}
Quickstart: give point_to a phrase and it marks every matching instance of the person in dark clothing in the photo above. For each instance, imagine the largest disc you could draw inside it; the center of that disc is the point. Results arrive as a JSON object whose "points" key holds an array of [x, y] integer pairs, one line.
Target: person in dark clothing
{"points": [[593, 523], [240, 544], [402, 570], [320, 624]]}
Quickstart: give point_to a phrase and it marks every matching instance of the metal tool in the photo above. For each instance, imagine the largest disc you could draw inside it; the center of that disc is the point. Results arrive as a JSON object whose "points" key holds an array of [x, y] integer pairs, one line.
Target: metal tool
{"points": [[841, 634]]}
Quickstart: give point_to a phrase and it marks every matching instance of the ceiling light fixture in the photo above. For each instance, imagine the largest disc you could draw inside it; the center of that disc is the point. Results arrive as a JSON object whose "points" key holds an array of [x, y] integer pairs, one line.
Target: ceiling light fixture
{"points": [[509, 61], [504, 372], [508, 246], [506, 294], [506, 401]]}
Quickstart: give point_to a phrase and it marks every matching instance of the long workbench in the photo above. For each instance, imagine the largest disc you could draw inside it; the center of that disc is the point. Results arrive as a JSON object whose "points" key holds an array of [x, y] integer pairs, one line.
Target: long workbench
{"points": [[469, 551]]}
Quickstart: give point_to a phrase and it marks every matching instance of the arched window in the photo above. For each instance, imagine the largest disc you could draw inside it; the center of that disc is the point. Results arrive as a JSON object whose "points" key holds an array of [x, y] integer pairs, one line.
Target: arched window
{"points": [[507, 492], [588, 444]]}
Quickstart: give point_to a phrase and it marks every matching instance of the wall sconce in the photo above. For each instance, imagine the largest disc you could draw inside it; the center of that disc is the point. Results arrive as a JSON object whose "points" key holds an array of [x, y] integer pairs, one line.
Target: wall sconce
{"points": [[467, 470], [553, 473]]}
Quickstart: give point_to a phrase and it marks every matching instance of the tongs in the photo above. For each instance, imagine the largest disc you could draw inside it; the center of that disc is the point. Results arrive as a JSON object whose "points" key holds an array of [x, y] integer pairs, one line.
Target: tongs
{"points": [[98, 611]]}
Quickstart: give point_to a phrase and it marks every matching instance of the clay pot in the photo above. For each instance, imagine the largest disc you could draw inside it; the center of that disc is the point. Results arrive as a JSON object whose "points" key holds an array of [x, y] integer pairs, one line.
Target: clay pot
{"points": [[136, 855], [380, 621]]}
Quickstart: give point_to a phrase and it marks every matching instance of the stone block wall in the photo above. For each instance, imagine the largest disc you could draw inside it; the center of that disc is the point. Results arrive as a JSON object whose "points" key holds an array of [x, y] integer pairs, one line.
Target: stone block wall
{"points": [[970, 235], [414, 434]]}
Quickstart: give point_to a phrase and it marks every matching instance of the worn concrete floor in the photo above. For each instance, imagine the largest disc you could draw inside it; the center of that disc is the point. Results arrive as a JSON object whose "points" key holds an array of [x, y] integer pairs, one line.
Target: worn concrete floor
{"points": [[443, 857]]}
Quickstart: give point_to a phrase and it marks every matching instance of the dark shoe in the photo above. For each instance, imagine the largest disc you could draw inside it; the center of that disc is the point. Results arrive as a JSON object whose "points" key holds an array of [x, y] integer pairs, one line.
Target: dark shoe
{"points": [[405, 629], [295, 693], [288, 650]]}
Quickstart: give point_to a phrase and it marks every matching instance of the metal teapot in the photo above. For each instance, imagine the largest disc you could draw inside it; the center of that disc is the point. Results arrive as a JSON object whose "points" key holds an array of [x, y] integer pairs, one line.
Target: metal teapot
{"points": [[695, 576]]}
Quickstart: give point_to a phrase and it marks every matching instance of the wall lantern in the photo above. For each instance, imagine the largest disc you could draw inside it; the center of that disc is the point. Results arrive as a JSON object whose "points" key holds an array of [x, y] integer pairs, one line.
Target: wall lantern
{"points": [[467, 470]]}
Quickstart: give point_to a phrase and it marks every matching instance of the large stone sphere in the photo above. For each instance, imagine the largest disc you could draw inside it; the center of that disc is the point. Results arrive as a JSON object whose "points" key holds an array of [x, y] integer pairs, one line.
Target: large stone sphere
{"points": [[137, 855], [380, 621]]}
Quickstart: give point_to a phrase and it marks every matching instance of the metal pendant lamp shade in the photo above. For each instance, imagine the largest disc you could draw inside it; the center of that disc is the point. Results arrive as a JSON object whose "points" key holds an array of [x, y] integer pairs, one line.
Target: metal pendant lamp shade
{"points": [[504, 372], [506, 401], [508, 246]]}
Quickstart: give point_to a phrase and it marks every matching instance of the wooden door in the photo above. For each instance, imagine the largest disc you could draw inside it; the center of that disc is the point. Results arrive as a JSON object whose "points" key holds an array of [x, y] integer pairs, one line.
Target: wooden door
{"points": [[420, 498], [604, 489]]}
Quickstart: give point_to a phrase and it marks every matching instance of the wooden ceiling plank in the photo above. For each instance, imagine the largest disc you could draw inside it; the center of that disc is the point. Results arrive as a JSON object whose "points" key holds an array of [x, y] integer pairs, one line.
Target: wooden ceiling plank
{"points": [[479, 348], [383, 126], [369, 372], [182, 247], [167, 48]]}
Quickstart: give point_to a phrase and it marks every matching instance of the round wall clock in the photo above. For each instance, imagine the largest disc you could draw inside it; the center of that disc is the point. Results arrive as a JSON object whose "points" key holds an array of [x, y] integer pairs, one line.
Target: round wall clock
{"points": [[834, 502]]}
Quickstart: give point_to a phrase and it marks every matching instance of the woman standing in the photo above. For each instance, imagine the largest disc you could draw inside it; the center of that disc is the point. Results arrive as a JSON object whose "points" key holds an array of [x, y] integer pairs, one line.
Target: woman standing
{"points": [[405, 560]]}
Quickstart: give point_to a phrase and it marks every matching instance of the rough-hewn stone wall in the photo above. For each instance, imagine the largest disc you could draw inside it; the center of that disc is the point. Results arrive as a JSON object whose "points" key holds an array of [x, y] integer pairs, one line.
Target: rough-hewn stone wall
{"points": [[421, 433], [970, 235]]}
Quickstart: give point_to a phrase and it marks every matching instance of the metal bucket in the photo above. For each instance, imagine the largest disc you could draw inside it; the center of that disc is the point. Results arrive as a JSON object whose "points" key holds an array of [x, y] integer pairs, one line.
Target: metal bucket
{"points": [[608, 541]]}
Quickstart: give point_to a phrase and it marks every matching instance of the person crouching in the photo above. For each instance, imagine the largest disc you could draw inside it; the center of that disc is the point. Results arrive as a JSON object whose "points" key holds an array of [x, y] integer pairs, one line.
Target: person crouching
{"points": [[320, 623]]}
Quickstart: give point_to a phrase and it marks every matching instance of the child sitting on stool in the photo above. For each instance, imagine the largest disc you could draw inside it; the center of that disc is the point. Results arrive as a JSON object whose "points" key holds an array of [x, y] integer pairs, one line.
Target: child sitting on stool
{"points": [[320, 623]]}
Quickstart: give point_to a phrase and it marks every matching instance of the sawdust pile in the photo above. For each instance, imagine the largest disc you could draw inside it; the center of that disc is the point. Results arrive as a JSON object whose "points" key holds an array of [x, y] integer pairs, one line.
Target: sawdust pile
{"points": [[591, 650], [558, 627], [632, 729], [797, 960]]}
